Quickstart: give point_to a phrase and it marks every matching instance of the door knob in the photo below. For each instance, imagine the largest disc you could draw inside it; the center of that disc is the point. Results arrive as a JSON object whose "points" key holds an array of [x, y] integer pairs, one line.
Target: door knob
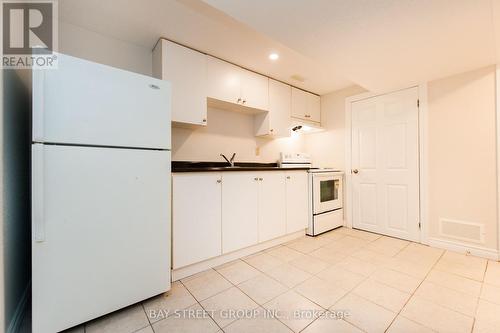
{"points": [[355, 171]]}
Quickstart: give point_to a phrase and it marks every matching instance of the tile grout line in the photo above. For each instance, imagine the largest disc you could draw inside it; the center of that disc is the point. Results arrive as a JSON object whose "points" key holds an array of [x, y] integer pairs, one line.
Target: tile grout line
{"points": [[293, 288], [266, 274], [331, 265], [480, 293], [413, 294], [350, 290], [201, 306], [288, 290]]}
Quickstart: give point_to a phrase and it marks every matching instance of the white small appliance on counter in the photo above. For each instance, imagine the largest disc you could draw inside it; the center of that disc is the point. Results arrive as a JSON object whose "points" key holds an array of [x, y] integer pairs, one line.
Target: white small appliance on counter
{"points": [[325, 193], [100, 192], [294, 160]]}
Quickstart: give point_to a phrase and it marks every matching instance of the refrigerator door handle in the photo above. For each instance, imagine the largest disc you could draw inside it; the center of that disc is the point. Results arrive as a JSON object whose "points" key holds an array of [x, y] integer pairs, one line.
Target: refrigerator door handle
{"points": [[38, 77], [38, 193]]}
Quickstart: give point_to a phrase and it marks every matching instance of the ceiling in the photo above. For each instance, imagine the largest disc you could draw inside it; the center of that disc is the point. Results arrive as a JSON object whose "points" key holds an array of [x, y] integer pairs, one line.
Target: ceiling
{"points": [[378, 44], [200, 26]]}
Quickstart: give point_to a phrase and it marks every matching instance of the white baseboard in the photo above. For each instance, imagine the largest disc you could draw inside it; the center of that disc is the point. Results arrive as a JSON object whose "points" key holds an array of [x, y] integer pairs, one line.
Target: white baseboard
{"points": [[455, 246], [20, 313], [183, 272]]}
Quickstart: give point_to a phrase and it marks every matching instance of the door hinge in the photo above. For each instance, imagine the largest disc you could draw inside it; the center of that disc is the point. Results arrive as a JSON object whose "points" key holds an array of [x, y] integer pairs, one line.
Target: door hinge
{"points": [[419, 225], [418, 103]]}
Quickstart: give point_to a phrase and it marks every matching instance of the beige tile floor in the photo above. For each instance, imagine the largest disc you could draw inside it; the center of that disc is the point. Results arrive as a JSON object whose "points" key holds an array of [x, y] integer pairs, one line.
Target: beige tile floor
{"points": [[381, 284]]}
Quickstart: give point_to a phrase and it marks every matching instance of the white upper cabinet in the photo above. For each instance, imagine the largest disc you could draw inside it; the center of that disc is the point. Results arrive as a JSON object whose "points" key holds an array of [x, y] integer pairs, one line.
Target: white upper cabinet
{"points": [[305, 105], [224, 81], [276, 122], [233, 84], [196, 76], [186, 69], [254, 90], [314, 107]]}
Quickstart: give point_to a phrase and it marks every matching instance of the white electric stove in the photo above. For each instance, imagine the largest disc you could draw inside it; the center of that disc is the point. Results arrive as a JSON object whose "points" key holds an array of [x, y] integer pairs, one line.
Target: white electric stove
{"points": [[325, 193]]}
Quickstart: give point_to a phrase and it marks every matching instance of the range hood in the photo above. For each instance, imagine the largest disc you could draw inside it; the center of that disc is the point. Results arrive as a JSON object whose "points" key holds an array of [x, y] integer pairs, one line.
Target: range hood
{"points": [[305, 128]]}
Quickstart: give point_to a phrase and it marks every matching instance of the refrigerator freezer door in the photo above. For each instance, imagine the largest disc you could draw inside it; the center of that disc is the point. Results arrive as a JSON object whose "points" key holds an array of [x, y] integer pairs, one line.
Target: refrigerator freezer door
{"points": [[85, 103], [102, 238]]}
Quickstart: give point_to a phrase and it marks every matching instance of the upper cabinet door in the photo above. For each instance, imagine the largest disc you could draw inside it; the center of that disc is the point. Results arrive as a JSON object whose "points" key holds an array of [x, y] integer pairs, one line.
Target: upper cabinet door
{"points": [[305, 105], [314, 107], [224, 80], [280, 105], [186, 69], [254, 90], [299, 103]]}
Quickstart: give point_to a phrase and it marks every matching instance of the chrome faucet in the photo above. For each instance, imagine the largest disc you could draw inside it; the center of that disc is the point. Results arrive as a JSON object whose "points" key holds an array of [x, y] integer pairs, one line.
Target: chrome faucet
{"points": [[231, 160]]}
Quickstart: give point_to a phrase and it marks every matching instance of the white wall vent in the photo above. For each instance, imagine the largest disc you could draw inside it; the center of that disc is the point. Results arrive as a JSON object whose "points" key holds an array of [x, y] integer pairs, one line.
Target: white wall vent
{"points": [[461, 230]]}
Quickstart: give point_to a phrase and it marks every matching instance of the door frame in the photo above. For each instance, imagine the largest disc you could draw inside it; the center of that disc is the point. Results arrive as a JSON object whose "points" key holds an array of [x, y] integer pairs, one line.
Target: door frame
{"points": [[497, 129], [422, 155]]}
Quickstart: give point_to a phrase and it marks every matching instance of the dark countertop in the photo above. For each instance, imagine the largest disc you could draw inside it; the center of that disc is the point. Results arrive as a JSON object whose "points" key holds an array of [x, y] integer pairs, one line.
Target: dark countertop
{"points": [[188, 166]]}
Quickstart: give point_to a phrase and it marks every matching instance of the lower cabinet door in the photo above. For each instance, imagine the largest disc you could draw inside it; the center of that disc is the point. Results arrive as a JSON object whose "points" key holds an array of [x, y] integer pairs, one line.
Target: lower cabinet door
{"points": [[239, 210], [272, 205], [196, 217], [297, 201]]}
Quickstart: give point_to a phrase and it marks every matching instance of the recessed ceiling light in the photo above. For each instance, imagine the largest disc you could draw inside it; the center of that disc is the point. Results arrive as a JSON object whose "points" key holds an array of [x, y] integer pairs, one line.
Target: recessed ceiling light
{"points": [[274, 56]]}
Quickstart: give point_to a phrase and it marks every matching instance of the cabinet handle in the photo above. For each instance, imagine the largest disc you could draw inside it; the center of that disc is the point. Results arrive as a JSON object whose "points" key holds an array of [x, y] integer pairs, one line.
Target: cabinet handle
{"points": [[308, 116], [287, 177], [256, 178], [219, 181], [239, 100], [271, 130], [261, 179], [244, 101], [204, 120]]}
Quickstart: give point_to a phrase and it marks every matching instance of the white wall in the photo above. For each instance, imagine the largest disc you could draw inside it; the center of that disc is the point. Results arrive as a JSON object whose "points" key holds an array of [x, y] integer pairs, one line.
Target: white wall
{"points": [[89, 45], [229, 132], [328, 148], [462, 153]]}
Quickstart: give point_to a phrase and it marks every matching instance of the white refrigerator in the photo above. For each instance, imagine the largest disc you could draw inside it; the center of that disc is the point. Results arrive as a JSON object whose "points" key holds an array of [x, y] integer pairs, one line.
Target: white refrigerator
{"points": [[100, 191]]}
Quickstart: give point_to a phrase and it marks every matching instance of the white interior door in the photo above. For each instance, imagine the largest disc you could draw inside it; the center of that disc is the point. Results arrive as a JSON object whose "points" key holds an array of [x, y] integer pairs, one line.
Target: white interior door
{"points": [[385, 173]]}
